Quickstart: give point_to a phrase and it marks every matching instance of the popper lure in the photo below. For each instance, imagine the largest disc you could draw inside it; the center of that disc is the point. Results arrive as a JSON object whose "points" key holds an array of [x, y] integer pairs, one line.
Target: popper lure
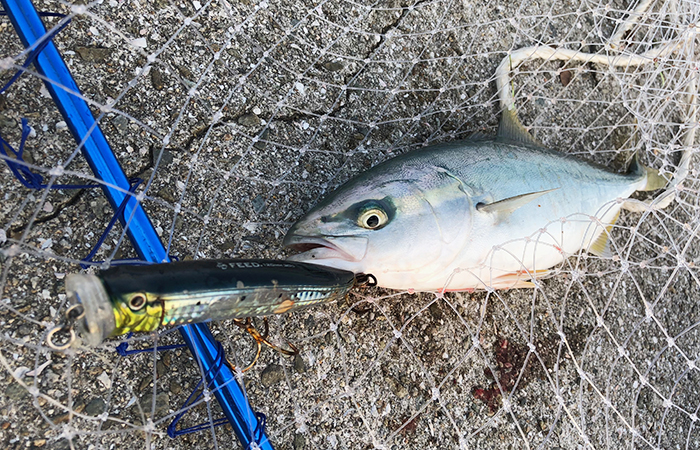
{"points": [[127, 299]]}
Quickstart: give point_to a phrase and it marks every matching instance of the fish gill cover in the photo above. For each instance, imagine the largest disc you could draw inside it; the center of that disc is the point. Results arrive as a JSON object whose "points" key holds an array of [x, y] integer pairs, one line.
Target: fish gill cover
{"points": [[240, 115]]}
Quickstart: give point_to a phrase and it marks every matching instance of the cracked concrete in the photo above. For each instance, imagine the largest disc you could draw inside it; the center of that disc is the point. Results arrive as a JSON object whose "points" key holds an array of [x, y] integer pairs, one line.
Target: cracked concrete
{"points": [[336, 87]]}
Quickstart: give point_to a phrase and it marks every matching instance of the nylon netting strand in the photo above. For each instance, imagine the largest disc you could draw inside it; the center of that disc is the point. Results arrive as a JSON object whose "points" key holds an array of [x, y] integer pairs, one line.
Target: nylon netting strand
{"points": [[239, 116]]}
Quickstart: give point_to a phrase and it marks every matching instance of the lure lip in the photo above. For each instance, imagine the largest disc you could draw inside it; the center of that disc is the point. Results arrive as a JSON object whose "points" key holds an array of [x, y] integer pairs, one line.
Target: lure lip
{"points": [[99, 321]]}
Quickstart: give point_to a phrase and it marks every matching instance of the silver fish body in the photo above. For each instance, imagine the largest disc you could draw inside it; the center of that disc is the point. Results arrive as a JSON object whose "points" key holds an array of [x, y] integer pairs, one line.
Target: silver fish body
{"points": [[463, 216]]}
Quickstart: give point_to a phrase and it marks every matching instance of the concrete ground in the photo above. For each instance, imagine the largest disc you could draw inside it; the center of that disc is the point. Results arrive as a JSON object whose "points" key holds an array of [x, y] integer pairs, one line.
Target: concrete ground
{"points": [[240, 115]]}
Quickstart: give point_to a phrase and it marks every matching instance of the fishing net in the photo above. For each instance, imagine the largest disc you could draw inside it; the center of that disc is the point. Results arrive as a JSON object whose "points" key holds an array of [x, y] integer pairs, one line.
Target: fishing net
{"points": [[240, 115]]}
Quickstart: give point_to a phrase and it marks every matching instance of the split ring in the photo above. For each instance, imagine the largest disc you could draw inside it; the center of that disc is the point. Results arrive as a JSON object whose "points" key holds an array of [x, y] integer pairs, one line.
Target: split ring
{"points": [[53, 331]]}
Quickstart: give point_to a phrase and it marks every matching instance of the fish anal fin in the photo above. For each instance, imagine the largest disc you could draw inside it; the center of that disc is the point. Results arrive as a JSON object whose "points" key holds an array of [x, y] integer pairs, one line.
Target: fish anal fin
{"points": [[510, 129], [469, 290], [521, 284], [510, 204], [601, 246], [518, 280]]}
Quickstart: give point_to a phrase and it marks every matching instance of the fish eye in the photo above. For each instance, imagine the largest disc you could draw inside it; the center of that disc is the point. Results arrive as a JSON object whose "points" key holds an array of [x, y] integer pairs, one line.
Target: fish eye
{"points": [[373, 219], [137, 302]]}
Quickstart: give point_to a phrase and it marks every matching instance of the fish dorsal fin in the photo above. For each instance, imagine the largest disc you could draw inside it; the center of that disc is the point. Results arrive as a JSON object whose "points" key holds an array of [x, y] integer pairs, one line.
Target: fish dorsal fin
{"points": [[478, 136], [601, 246], [510, 204], [511, 130]]}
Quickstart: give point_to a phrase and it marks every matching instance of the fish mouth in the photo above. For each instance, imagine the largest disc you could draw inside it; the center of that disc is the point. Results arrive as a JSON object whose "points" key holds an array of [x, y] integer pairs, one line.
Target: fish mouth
{"points": [[313, 248]]}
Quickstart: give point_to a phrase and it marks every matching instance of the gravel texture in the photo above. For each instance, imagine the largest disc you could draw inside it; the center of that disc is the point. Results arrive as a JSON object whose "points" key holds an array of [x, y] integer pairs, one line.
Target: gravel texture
{"points": [[240, 115]]}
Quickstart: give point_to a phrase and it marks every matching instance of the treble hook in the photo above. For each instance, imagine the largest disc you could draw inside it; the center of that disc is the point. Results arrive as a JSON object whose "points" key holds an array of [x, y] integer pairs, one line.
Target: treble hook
{"points": [[261, 338], [74, 313]]}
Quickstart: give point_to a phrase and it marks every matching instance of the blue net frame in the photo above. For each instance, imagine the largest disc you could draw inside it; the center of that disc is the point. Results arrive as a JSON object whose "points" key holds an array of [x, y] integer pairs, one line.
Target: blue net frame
{"points": [[248, 424], [192, 399]]}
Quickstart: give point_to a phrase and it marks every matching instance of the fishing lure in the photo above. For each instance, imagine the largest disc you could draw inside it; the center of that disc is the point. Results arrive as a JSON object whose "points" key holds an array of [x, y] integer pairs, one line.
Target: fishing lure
{"points": [[127, 299]]}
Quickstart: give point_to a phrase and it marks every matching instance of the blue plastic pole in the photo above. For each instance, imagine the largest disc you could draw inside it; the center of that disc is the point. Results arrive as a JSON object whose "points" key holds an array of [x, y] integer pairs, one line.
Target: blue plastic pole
{"points": [[143, 236]]}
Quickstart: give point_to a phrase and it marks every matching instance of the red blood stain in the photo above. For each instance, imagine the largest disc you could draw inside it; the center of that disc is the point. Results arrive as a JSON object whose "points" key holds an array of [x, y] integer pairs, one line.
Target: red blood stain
{"points": [[411, 426], [510, 359]]}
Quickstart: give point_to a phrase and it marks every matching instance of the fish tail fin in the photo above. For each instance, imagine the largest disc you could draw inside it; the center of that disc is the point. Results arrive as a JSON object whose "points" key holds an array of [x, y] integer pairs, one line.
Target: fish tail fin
{"points": [[654, 180]]}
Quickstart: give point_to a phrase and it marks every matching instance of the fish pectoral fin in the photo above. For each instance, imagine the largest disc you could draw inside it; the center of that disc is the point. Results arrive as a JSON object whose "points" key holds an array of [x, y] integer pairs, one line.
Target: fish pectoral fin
{"points": [[510, 204], [601, 246], [518, 280]]}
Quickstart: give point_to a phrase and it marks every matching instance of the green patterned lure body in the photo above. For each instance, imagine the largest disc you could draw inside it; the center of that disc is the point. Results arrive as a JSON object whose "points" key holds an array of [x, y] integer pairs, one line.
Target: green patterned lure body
{"points": [[144, 298]]}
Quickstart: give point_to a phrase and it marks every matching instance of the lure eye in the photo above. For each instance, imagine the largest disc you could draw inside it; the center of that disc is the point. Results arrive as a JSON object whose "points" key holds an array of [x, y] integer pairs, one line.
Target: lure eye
{"points": [[137, 302], [373, 219]]}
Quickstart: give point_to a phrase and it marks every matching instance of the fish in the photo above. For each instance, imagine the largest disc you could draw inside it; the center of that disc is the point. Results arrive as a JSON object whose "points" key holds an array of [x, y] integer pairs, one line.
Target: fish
{"points": [[479, 214], [126, 299]]}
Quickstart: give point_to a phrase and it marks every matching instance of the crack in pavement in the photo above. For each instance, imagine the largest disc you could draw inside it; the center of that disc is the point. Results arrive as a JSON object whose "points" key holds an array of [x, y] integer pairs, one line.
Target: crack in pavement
{"points": [[387, 28], [380, 43], [45, 218]]}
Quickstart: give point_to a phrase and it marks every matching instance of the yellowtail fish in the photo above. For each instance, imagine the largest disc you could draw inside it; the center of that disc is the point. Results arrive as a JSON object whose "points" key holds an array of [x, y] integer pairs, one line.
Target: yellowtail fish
{"points": [[476, 214], [123, 299]]}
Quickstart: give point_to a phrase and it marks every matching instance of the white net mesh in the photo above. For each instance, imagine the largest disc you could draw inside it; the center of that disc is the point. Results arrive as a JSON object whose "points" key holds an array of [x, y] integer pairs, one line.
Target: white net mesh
{"points": [[241, 115]]}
